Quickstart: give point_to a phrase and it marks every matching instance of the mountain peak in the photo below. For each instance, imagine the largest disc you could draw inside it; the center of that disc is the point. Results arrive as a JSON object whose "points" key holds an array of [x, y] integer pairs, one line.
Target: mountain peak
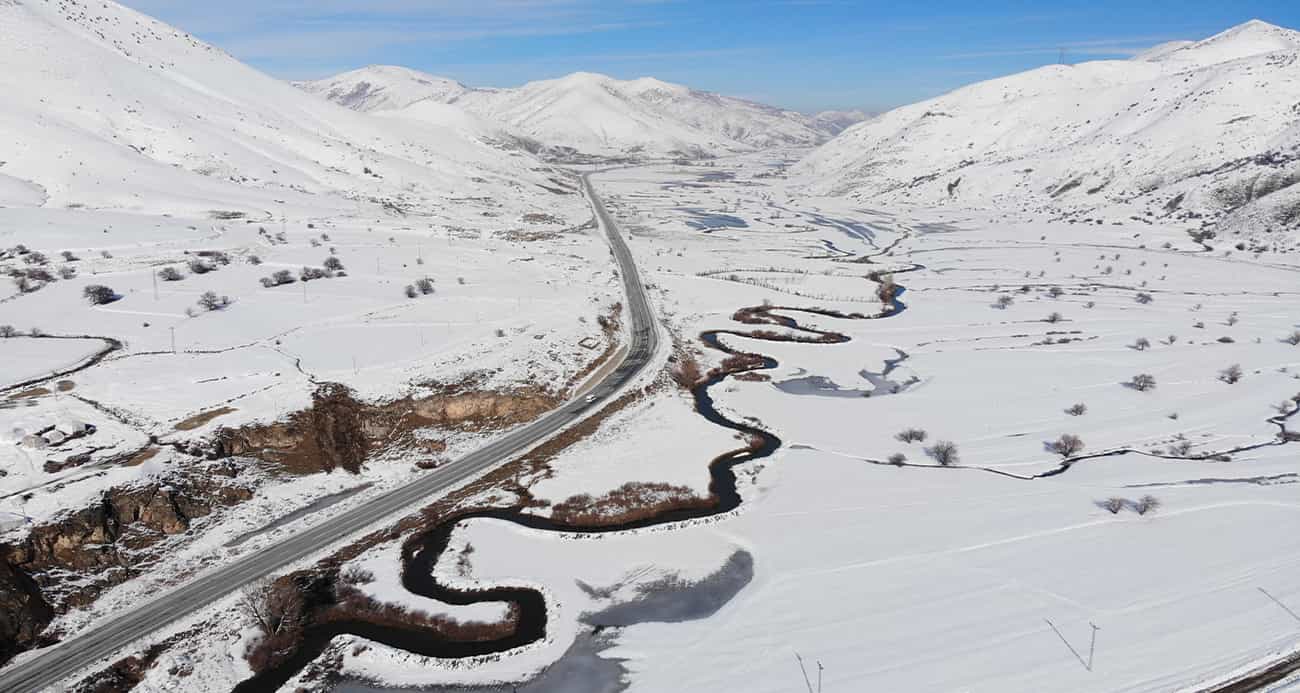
{"points": [[1254, 37]]}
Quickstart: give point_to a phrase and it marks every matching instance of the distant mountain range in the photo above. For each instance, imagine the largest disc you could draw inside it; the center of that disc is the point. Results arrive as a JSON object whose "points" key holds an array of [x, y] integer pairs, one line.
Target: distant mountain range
{"points": [[107, 108], [585, 113], [1206, 130]]}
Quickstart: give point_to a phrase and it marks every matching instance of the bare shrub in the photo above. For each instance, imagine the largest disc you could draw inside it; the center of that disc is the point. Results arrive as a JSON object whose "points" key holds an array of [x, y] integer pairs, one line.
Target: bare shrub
{"points": [[67, 272], [1114, 505], [1231, 375], [356, 575], [7, 331], [200, 267], [278, 278], [1182, 448], [944, 452], [1142, 344], [898, 459], [1068, 445], [35, 258], [1055, 292], [912, 435], [69, 256], [410, 291], [686, 372], [1146, 504], [1004, 301], [1077, 409], [313, 273], [332, 263], [424, 285], [1055, 318], [254, 260], [170, 274], [1293, 339], [1144, 298], [1143, 382]]}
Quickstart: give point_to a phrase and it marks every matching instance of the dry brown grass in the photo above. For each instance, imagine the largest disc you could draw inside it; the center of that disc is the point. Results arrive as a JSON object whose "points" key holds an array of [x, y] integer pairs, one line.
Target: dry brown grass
{"points": [[627, 503], [202, 418]]}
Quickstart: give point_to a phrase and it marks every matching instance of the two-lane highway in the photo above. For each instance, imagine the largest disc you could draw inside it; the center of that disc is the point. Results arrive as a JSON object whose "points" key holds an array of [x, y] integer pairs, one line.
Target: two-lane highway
{"points": [[47, 667]]}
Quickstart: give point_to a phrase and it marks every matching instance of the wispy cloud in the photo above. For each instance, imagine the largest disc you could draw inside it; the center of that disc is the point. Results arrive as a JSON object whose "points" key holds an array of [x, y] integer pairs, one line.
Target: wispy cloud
{"points": [[1120, 46]]}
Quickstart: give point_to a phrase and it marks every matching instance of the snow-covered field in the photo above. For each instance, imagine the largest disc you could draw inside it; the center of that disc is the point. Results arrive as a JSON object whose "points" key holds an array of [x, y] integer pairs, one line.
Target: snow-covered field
{"points": [[228, 242], [976, 577]]}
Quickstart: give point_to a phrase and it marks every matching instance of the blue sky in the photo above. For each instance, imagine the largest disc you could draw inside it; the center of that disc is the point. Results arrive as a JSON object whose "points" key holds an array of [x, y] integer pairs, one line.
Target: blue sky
{"points": [[803, 54]]}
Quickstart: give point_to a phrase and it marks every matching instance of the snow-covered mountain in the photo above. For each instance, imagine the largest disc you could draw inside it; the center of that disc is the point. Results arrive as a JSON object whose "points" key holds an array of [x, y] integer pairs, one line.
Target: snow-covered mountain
{"points": [[589, 113], [384, 87], [107, 108], [836, 122], [1208, 128]]}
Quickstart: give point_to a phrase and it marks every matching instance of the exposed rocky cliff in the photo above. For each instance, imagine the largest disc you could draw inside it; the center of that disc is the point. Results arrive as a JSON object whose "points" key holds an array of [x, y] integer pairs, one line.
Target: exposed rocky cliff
{"points": [[69, 562]]}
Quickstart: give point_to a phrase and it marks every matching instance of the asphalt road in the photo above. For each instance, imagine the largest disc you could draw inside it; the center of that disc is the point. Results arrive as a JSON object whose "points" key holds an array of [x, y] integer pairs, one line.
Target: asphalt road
{"points": [[49, 666]]}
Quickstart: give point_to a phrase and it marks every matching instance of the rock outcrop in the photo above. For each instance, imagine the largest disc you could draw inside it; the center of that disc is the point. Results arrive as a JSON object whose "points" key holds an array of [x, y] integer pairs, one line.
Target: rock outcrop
{"points": [[86, 551]]}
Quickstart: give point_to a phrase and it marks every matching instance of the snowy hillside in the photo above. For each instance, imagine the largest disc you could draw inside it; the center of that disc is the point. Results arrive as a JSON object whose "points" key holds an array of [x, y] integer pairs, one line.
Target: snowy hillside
{"points": [[1207, 129], [107, 108], [383, 87], [590, 113]]}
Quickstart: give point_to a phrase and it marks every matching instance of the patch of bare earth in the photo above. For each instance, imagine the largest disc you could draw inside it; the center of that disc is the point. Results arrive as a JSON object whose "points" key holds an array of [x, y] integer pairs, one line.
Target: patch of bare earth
{"points": [[202, 418]]}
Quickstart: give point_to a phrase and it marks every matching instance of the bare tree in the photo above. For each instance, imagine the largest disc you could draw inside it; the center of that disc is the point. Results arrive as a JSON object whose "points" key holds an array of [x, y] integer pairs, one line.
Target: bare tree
{"points": [[1068, 445], [200, 267], [886, 288], [211, 301], [1142, 344], [1146, 504], [897, 459], [99, 295], [1144, 298], [1004, 301], [1056, 292], [1231, 375], [411, 292], [1077, 410], [170, 274], [944, 452], [67, 272], [912, 435], [274, 609], [1114, 505], [333, 264], [7, 331], [1055, 318], [425, 286], [1143, 382]]}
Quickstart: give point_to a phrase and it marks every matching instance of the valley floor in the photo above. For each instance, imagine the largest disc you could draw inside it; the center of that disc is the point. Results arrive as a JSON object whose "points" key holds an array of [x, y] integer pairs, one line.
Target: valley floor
{"points": [[1003, 570]]}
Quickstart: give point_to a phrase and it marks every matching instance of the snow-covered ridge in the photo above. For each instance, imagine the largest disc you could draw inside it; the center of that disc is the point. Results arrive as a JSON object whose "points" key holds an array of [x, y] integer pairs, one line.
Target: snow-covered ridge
{"points": [[1208, 128], [590, 113], [107, 108]]}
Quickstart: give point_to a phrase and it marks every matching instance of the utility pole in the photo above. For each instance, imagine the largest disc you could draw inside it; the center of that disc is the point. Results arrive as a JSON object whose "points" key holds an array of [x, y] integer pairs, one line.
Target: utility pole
{"points": [[173, 329], [155, 286], [1092, 648]]}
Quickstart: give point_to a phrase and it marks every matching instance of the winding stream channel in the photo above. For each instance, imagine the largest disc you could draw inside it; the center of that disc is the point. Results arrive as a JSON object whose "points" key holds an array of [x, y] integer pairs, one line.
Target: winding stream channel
{"points": [[422, 551]]}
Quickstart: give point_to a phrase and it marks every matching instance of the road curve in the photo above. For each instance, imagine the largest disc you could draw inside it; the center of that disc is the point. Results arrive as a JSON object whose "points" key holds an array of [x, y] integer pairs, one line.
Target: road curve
{"points": [[47, 667]]}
